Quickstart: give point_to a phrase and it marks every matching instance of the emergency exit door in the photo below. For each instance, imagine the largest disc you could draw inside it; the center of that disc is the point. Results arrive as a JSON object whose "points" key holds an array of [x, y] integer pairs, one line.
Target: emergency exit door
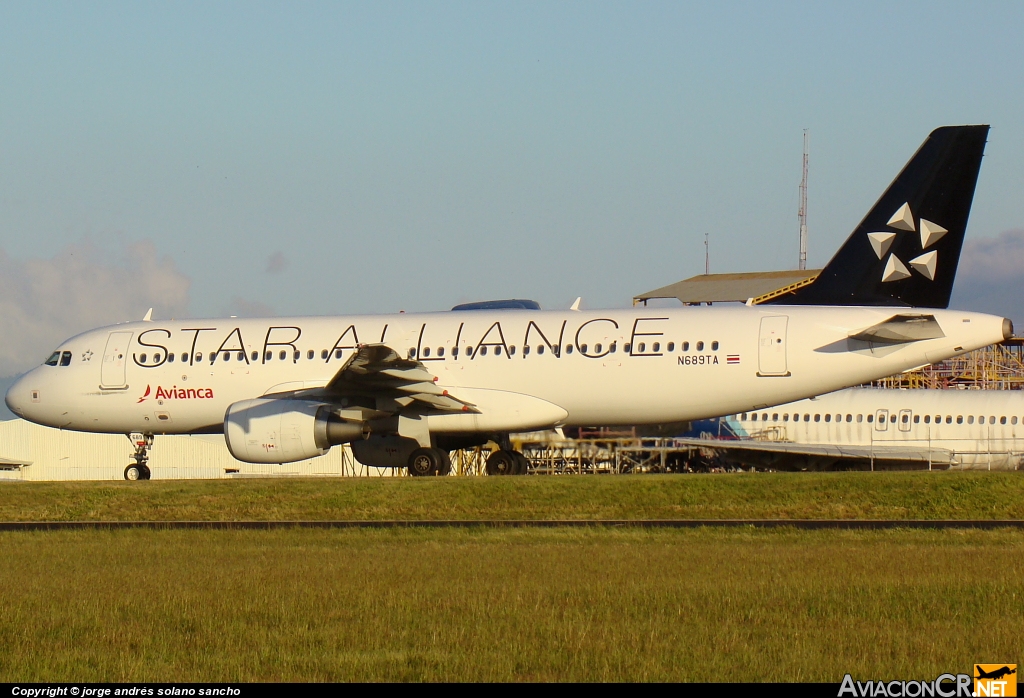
{"points": [[771, 346]]}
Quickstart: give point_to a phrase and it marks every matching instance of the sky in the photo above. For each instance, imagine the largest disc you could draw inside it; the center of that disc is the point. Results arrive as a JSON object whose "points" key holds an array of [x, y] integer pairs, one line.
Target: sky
{"points": [[257, 158]]}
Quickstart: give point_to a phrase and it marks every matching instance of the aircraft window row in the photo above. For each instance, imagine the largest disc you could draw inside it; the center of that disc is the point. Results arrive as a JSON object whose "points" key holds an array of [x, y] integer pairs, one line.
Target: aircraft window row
{"points": [[598, 348], [62, 358], [904, 418]]}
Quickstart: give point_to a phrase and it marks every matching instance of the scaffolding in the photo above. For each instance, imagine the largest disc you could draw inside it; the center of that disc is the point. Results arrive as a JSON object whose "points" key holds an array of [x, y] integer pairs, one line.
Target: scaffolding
{"points": [[997, 367]]}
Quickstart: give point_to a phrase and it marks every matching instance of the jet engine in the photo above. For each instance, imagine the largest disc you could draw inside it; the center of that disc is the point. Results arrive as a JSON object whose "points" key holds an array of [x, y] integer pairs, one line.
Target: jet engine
{"points": [[267, 430]]}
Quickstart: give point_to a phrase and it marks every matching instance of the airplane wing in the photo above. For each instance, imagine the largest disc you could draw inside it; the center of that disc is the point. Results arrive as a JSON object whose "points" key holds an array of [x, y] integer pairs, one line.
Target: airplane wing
{"points": [[378, 371], [786, 455]]}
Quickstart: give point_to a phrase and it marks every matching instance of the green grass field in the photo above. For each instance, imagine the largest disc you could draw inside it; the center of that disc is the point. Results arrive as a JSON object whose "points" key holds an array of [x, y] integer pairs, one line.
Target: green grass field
{"points": [[597, 603], [748, 495], [553, 604]]}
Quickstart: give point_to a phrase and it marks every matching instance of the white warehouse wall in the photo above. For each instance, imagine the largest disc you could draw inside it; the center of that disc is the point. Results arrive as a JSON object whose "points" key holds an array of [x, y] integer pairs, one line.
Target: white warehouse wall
{"points": [[66, 455]]}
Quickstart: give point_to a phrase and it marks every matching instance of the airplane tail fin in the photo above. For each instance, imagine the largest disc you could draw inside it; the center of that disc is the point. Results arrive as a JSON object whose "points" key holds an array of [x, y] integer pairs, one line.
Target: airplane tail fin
{"points": [[906, 250]]}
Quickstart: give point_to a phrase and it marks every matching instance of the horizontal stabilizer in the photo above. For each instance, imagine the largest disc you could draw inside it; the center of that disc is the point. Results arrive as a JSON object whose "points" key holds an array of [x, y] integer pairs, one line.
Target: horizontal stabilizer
{"points": [[900, 329]]}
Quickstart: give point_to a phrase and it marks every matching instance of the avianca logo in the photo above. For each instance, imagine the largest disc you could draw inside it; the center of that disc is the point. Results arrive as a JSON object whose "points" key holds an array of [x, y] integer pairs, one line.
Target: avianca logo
{"points": [[176, 393]]}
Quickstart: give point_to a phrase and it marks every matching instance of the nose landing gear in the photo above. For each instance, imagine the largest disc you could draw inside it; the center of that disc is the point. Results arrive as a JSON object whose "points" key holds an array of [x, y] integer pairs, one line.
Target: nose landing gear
{"points": [[139, 470]]}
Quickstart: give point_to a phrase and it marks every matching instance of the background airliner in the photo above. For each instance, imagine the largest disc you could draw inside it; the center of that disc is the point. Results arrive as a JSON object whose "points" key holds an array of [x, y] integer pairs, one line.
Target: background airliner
{"points": [[875, 428], [404, 389]]}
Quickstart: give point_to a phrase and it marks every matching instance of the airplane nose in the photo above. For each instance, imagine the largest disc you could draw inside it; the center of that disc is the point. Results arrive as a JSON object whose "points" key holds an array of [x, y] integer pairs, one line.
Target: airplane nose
{"points": [[18, 397]]}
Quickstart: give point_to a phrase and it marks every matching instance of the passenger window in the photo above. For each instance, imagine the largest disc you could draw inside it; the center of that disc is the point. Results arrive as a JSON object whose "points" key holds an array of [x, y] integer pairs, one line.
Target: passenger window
{"points": [[482, 351], [240, 357], [52, 361], [412, 353], [1002, 420], [540, 348], [254, 356], [927, 419], [156, 359], [426, 351], [440, 351], [743, 417], [199, 356], [892, 418], [296, 354], [227, 356], [1013, 420], [337, 353], [597, 348], [641, 347], [656, 347], [324, 354], [283, 355], [860, 418], [828, 418], [583, 348], [612, 348], [671, 346], [497, 351], [469, 352], [65, 358], [959, 419], [949, 419], [511, 350], [142, 358], [775, 416], [714, 345], [627, 347], [310, 354], [817, 418], [970, 419], [700, 346], [170, 358], [905, 419], [455, 351], [268, 356], [686, 346], [992, 420], [184, 358], [871, 418], [807, 417], [568, 348], [849, 418], [526, 350]]}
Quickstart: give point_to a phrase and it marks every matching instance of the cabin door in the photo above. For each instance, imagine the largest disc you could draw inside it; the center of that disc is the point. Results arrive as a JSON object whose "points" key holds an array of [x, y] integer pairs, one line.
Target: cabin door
{"points": [[771, 346], [115, 358]]}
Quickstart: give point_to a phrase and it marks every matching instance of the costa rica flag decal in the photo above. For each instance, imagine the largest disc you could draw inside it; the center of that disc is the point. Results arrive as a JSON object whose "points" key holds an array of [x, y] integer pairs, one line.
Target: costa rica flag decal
{"points": [[732, 358]]}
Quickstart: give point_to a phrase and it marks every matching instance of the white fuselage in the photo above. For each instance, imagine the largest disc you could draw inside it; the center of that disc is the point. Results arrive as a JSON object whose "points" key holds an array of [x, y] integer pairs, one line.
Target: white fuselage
{"points": [[636, 366], [981, 428]]}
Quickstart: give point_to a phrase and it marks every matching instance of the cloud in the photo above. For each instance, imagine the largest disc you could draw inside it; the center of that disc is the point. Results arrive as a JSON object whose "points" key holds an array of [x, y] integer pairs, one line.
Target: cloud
{"points": [[45, 301], [241, 307], [276, 263], [990, 278]]}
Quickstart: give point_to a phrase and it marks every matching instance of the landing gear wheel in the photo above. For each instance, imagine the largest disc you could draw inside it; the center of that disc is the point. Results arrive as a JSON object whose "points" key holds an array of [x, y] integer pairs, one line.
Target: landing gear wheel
{"points": [[133, 472], [146, 473], [425, 462], [446, 465], [502, 463], [522, 464]]}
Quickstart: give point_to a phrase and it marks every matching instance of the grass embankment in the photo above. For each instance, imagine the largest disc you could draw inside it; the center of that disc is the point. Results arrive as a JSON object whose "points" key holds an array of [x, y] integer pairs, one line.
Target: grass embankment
{"points": [[562, 604], [735, 496]]}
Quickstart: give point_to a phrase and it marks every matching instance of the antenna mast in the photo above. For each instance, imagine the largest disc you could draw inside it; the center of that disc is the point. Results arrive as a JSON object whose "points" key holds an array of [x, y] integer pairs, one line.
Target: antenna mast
{"points": [[707, 256], [802, 214]]}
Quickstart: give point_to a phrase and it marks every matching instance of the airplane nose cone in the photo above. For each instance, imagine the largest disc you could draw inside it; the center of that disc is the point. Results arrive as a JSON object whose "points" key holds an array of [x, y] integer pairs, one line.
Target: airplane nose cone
{"points": [[18, 397]]}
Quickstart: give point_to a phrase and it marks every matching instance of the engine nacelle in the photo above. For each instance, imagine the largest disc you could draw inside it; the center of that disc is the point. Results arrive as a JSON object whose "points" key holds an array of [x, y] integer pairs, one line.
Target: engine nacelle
{"points": [[269, 430]]}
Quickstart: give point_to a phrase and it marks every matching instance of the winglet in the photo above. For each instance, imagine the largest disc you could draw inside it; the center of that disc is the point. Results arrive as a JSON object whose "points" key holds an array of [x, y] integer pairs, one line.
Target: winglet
{"points": [[576, 304], [149, 316]]}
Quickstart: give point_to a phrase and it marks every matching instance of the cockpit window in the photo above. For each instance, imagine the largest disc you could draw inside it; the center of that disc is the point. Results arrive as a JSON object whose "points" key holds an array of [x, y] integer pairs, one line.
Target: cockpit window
{"points": [[54, 358], [65, 358]]}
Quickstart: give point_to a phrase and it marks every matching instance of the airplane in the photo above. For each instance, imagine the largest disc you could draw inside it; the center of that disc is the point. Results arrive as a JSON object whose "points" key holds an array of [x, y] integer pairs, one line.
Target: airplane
{"points": [[405, 389], [880, 429]]}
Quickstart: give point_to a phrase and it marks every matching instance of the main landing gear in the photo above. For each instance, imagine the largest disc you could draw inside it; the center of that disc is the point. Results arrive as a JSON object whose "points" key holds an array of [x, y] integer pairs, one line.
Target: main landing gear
{"points": [[139, 470], [424, 462], [507, 462]]}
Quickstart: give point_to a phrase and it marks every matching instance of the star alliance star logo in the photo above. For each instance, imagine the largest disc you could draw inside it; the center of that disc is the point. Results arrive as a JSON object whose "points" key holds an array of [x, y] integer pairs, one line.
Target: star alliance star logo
{"points": [[925, 264], [87, 355]]}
